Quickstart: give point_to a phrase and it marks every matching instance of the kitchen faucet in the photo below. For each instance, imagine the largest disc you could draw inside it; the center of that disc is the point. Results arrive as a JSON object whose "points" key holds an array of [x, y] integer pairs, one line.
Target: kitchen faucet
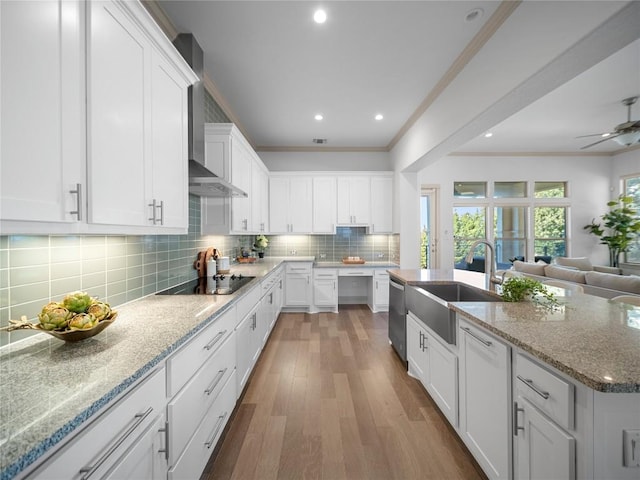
{"points": [[492, 261]]}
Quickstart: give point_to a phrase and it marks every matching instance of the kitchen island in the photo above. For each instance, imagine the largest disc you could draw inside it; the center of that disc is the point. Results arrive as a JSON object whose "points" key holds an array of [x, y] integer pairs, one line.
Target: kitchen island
{"points": [[534, 391]]}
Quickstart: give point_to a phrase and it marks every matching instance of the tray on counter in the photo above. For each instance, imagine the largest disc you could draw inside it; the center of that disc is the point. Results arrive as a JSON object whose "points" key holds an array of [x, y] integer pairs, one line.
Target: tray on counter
{"points": [[358, 261]]}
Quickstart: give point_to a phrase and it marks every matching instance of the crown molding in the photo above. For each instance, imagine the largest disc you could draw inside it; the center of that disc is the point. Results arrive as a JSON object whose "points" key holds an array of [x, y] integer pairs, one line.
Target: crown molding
{"points": [[319, 149], [531, 154], [501, 14]]}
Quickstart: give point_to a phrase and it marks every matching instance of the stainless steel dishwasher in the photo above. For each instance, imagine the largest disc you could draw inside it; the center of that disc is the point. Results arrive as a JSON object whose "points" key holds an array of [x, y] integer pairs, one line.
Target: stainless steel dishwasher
{"points": [[397, 318]]}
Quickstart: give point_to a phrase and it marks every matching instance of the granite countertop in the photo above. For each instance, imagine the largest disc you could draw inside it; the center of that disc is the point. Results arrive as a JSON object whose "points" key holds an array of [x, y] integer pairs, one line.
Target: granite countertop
{"points": [[591, 339], [48, 388]]}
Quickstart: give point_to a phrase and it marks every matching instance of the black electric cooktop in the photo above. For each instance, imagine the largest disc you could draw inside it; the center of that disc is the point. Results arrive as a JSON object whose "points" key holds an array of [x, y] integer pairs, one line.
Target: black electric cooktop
{"points": [[217, 285]]}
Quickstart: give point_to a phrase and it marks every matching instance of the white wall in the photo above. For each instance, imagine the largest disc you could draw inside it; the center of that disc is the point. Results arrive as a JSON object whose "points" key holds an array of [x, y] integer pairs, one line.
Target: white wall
{"points": [[326, 161], [589, 180], [624, 164]]}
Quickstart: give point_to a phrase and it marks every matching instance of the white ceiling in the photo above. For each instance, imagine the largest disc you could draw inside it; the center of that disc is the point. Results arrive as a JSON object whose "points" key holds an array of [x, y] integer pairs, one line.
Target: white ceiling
{"points": [[276, 69]]}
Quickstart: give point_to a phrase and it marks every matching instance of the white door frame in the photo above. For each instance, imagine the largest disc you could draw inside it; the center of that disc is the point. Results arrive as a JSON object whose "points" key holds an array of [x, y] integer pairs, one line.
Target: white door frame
{"points": [[433, 192]]}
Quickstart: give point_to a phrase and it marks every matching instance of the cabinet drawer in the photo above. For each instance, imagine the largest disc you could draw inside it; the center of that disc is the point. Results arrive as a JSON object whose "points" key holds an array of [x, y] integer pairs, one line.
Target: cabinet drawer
{"points": [[102, 443], [247, 302], [182, 365], [325, 273], [355, 272], [186, 410], [196, 455], [298, 267], [547, 391]]}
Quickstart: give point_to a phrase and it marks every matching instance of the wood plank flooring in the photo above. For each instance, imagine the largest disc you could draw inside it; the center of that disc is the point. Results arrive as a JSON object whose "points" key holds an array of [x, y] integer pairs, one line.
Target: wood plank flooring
{"points": [[330, 399]]}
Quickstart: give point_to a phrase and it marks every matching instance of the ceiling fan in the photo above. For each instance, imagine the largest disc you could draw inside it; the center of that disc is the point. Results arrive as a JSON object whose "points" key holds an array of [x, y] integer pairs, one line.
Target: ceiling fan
{"points": [[625, 134]]}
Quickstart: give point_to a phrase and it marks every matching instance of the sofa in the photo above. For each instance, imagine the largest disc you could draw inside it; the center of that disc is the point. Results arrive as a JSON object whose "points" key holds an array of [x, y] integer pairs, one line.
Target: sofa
{"points": [[594, 281]]}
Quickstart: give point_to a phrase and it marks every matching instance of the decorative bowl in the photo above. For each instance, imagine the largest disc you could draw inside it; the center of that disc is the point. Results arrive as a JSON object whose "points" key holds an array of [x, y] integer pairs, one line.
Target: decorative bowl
{"points": [[66, 335]]}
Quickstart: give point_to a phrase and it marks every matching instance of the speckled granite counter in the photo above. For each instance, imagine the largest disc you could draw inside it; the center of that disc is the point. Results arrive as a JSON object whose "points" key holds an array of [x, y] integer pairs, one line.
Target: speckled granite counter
{"points": [[589, 338], [48, 388]]}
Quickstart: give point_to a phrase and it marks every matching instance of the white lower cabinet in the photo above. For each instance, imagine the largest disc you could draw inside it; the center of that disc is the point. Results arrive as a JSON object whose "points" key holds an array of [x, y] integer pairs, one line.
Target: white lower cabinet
{"points": [[544, 450], [485, 399], [434, 365], [127, 438], [297, 285], [378, 298], [199, 449], [248, 337], [325, 289]]}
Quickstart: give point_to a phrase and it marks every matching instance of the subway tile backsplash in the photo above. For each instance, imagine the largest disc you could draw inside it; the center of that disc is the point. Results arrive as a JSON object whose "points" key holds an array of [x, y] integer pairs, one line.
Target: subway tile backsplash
{"points": [[37, 269]]}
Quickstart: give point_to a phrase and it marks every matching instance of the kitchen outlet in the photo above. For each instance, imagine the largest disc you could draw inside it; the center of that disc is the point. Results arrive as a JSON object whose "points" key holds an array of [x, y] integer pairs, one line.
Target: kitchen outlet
{"points": [[381, 255], [631, 442], [323, 256], [293, 252]]}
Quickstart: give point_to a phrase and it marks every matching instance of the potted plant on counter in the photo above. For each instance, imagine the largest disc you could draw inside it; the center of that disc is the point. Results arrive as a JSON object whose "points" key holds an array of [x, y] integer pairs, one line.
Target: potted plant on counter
{"points": [[518, 289], [260, 244]]}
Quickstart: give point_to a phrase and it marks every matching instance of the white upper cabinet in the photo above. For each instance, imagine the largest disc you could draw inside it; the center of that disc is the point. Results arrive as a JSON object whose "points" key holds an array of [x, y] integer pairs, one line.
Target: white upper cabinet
{"points": [[324, 205], [137, 123], [290, 204], [354, 206], [42, 116], [118, 165], [117, 96], [381, 204], [230, 156]]}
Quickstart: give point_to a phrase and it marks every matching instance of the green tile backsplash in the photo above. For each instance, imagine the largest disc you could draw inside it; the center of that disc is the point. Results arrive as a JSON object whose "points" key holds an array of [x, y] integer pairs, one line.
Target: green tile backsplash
{"points": [[37, 269]]}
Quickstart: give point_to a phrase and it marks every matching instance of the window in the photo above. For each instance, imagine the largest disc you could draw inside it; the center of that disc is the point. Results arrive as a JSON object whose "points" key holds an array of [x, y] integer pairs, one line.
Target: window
{"points": [[550, 231], [470, 189], [550, 190], [510, 190], [469, 225], [510, 234], [632, 189]]}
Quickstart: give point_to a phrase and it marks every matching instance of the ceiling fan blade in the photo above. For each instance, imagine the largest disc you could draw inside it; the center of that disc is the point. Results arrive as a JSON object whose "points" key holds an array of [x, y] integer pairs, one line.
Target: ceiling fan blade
{"points": [[600, 141], [596, 135]]}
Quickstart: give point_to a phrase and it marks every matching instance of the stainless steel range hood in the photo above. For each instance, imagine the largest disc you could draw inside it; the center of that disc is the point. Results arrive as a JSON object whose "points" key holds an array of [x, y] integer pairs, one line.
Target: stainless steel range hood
{"points": [[202, 181]]}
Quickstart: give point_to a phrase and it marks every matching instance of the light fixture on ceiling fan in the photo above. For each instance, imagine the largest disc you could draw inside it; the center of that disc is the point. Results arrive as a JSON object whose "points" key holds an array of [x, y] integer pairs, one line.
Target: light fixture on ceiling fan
{"points": [[625, 134]]}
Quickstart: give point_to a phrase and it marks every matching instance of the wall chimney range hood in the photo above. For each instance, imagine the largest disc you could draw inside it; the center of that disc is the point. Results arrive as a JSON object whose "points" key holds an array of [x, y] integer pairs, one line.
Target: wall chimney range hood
{"points": [[202, 181]]}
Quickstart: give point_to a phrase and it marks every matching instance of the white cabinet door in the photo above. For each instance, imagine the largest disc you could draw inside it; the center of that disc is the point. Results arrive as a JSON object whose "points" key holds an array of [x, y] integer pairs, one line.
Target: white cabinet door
{"points": [[381, 289], [381, 204], [241, 177], [325, 291], [246, 348], [117, 100], [300, 204], [42, 78], [324, 205], [169, 146], [417, 350], [484, 399], [259, 199], [544, 450], [354, 206], [146, 458], [442, 380], [279, 205], [297, 288]]}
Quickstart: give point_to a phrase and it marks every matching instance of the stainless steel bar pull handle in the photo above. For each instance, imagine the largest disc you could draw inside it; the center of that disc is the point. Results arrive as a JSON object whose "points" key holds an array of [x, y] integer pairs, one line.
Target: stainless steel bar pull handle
{"points": [[219, 424], [153, 211], [78, 193], [481, 340], [165, 450], [161, 207], [215, 340], [516, 428], [91, 469], [216, 381], [529, 383]]}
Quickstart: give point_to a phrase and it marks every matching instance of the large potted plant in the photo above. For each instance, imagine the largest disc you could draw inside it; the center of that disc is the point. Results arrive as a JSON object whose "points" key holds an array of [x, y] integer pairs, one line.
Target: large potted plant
{"points": [[619, 227]]}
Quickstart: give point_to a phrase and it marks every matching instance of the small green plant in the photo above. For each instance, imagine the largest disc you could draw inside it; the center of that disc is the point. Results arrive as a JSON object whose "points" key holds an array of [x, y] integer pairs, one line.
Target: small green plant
{"points": [[517, 289]]}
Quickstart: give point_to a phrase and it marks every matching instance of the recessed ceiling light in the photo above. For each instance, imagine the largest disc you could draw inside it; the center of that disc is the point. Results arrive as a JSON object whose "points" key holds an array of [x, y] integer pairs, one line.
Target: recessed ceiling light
{"points": [[488, 135], [320, 16], [473, 15], [318, 117], [379, 116], [606, 134]]}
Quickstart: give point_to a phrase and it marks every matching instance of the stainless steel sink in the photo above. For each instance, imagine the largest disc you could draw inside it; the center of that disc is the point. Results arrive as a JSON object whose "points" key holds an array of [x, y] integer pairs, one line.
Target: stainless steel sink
{"points": [[430, 303]]}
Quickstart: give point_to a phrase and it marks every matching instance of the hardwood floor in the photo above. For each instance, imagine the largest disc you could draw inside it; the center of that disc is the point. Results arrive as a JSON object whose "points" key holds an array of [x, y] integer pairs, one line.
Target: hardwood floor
{"points": [[330, 399]]}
